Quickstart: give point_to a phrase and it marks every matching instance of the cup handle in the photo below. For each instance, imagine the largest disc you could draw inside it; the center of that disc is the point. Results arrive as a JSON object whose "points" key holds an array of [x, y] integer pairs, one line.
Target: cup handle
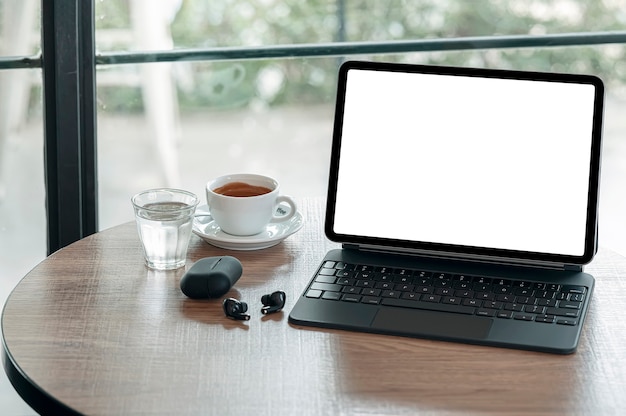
{"points": [[287, 216]]}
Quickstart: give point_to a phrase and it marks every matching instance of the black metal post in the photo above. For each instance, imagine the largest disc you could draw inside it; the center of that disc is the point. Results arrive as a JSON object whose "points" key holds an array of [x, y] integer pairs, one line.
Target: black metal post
{"points": [[69, 120]]}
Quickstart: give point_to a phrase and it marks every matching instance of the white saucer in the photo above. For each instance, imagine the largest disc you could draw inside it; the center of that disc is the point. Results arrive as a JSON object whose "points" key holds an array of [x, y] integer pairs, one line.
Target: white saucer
{"points": [[205, 227]]}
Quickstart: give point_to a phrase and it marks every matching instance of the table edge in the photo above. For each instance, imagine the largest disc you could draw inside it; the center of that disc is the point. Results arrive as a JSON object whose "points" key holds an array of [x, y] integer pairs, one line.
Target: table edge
{"points": [[35, 397]]}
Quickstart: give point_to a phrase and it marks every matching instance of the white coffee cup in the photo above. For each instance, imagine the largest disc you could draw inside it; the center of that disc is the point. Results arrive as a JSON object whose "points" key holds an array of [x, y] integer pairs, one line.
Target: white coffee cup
{"points": [[244, 204]]}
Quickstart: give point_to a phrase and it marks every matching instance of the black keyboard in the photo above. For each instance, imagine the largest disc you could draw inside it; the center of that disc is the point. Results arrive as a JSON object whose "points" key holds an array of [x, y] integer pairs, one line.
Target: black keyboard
{"points": [[547, 303]]}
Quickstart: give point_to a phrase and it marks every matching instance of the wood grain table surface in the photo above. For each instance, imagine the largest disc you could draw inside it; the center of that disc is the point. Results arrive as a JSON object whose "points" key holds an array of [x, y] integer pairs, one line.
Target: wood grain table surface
{"points": [[91, 330]]}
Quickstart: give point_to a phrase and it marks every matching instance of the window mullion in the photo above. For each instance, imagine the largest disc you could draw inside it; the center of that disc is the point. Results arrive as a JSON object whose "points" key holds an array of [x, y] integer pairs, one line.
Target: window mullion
{"points": [[69, 120]]}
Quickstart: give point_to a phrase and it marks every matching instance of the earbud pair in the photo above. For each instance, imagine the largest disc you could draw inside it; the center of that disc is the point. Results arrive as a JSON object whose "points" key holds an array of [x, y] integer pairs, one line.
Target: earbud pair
{"points": [[236, 309]]}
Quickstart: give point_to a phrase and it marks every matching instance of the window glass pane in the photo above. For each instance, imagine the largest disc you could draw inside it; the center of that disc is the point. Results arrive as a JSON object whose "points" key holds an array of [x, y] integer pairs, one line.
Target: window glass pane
{"points": [[22, 194], [207, 23], [224, 118], [181, 123]]}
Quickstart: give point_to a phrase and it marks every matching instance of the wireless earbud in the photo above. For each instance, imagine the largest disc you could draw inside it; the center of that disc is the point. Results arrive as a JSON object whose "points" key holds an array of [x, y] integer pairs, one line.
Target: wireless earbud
{"points": [[274, 302], [235, 309]]}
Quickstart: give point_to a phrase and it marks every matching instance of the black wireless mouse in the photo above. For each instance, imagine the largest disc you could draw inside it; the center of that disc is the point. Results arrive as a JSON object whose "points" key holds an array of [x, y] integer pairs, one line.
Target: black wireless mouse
{"points": [[211, 277]]}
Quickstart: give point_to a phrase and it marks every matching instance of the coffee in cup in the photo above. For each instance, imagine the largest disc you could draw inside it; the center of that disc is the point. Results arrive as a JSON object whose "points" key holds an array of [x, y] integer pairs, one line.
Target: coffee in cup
{"points": [[244, 204], [241, 189]]}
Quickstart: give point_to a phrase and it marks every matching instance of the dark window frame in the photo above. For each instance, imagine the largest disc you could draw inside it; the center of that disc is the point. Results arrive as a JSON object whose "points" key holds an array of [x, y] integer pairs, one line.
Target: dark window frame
{"points": [[70, 146]]}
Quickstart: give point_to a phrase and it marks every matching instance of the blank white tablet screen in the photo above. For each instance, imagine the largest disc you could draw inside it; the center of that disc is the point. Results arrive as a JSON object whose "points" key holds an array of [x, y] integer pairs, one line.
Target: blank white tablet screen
{"points": [[483, 162]]}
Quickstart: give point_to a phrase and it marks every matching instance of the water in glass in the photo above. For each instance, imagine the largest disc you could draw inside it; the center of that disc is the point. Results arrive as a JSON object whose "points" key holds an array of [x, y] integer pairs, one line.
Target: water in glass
{"points": [[165, 229]]}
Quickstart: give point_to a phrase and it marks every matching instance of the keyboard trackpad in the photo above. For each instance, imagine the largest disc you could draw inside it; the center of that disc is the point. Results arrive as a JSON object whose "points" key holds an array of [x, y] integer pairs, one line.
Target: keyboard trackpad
{"points": [[434, 324]]}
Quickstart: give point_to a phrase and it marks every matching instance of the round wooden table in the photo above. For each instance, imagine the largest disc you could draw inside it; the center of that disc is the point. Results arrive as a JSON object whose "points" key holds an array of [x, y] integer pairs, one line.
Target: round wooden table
{"points": [[91, 330]]}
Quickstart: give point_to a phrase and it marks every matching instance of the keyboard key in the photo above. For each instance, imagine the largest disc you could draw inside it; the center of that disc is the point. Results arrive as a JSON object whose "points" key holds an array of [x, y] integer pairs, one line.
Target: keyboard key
{"points": [[504, 314], [341, 265], [569, 313], [364, 268], [325, 286], [327, 272], [569, 305], [410, 296], [574, 289], [329, 264], [567, 321], [485, 296], [391, 294], [402, 279], [351, 289], [370, 292], [502, 290], [523, 291], [464, 293], [444, 291], [475, 303], [351, 298], [516, 307], [364, 275], [576, 297], [483, 280], [313, 293], [560, 295], [345, 273], [451, 300], [384, 285], [462, 278], [546, 302], [486, 312], [442, 276], [364, 283], [492, 305], [371, 300], [481, 287], [383, 277], [545, 294], [331, 295], [404, 287], [524, 316], [535, 309], [325, 279], [424, 289], [525, 300], [442, 283], [546, 319], [431, 298], [423, 281], [462, 285], [505, 298]]}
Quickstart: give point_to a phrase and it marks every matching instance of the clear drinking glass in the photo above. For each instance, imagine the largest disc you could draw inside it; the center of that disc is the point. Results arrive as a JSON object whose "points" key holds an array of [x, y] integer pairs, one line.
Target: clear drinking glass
{"points": [[164, 218]]}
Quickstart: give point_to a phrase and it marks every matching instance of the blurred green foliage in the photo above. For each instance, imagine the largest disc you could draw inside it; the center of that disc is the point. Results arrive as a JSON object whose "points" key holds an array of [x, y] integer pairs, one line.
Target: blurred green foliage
{"points": [[232, 23]]}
